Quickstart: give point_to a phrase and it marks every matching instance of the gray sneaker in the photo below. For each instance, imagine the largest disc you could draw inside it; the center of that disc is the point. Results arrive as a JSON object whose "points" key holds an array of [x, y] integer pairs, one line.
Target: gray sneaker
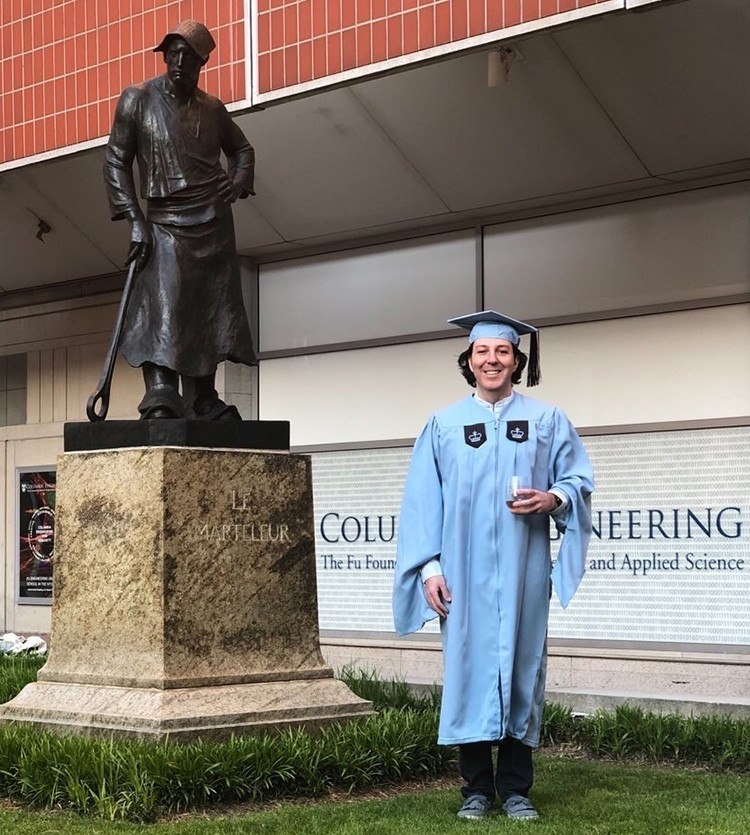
{"points": [[517, 807], [475, 807]]}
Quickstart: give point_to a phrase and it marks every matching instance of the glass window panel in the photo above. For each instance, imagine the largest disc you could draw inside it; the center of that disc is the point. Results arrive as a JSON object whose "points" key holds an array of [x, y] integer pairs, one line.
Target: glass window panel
{"points": [[663, 250], [367, 293]]}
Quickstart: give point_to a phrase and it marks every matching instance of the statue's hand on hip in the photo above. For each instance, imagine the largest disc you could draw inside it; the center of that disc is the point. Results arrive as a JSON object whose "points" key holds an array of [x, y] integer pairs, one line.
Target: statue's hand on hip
{"points": [[228, 190]]}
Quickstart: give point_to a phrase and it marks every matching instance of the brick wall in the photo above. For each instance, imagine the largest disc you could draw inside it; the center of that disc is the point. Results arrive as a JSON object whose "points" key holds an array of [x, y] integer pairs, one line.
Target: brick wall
{"points": [[65, 62], [301, 41]]}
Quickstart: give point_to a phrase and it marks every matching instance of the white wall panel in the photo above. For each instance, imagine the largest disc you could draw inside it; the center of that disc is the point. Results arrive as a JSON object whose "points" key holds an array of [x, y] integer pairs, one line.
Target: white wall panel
{"points": [[668, 367], [377, 291], [57, 324], [669, 249], [648, 369], [363, 395]]}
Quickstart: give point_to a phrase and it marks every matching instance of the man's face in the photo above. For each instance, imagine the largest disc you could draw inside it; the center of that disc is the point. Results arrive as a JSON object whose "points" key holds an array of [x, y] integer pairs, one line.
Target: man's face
{"points": [[492, 362], [183, 64]]}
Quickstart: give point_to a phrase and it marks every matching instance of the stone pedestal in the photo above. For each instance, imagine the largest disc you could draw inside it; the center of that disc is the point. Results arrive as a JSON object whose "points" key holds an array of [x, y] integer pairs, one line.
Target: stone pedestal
{"points": [[184, 598]]}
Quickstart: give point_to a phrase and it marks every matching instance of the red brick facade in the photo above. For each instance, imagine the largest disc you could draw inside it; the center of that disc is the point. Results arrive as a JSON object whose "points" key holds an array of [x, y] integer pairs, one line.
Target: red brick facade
{"points": [[65, 62], [300, 41]]}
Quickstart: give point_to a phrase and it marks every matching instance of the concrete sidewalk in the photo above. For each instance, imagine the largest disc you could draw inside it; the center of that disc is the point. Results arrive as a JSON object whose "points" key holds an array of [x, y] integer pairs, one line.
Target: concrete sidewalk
{"points": [[588, 701]]}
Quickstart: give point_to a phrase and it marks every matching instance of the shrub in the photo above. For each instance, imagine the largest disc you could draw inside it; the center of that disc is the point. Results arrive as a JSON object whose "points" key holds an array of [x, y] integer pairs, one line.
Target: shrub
{"points": [[134, 780], [16, 671], [115, 779], [384, 694], [719, 742]]}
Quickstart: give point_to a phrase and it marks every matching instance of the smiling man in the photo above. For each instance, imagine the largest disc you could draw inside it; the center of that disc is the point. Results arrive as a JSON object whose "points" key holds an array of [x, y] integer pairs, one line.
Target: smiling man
{"points": [[186, 314], [487, 473]]}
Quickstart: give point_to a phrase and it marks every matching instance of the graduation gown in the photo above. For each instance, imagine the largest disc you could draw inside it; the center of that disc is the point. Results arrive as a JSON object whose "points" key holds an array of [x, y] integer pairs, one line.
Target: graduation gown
{"points": [[496, 564]]}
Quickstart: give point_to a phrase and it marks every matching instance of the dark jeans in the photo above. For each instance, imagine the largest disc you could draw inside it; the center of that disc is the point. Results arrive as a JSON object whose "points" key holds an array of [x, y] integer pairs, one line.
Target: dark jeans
{"points": [[514, 773]]}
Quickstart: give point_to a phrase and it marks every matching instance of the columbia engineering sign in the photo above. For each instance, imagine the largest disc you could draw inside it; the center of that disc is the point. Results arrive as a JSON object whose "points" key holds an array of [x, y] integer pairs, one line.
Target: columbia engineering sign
{"points": [[669, 561]]}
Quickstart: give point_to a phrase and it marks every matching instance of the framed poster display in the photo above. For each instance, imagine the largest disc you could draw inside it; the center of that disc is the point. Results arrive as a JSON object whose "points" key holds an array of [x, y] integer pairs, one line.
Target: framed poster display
{"points": [[36, 496]]}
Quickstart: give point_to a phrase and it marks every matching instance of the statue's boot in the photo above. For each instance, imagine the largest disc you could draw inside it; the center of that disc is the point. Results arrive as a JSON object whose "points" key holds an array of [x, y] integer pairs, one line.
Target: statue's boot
{"points": [[162, 399], [208, 405]]}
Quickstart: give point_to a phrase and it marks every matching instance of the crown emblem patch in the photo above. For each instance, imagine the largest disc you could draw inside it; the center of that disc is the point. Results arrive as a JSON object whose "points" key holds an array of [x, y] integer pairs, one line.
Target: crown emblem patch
{"points": [[518, 431], [475, 435]]}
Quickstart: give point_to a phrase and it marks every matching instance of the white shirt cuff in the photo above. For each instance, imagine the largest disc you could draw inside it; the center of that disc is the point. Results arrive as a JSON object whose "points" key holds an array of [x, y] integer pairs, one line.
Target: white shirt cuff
{"points": [[563, 498], [430, 569]]}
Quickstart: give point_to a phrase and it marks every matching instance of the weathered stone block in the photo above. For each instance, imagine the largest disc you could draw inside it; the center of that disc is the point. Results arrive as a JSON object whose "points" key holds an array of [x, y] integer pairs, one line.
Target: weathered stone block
{"points": [[184, 569]]}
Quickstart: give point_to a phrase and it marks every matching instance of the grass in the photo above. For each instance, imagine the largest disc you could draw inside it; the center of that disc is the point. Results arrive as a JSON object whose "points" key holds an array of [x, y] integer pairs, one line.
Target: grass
{"points": [[573, 796], [16, 671], [630, 733], [112, 781], [127, 779], [389, 694], [137, 781]]}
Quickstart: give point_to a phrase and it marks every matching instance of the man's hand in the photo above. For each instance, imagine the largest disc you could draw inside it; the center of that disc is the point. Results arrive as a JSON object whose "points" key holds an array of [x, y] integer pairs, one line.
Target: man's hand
{"points": [[437, 594], [141, 244], [533, 501], [228, 190]]}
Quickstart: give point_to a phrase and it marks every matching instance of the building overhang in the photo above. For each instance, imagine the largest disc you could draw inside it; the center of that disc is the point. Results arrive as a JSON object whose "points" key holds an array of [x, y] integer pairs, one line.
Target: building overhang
{"points": [[610, 108]]}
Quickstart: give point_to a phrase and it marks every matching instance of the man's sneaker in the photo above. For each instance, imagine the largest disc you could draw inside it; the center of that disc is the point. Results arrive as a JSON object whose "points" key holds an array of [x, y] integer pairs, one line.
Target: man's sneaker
{"points": [[517, 807], [475, 807]]}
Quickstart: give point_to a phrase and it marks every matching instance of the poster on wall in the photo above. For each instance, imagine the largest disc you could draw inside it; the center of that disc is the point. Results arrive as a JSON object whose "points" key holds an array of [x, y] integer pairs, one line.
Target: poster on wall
{"points": [[669, 560], [36, 537]]}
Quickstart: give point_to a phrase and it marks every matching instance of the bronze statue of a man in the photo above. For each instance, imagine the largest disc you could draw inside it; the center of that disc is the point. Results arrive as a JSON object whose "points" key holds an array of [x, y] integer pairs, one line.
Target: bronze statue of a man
{"points": [[186, 312]]}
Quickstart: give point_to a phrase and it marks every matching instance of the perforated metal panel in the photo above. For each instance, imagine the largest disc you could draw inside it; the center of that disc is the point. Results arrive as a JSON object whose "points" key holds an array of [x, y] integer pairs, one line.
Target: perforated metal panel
{"points": [[357, 501], [669, 560], [697, 589]]}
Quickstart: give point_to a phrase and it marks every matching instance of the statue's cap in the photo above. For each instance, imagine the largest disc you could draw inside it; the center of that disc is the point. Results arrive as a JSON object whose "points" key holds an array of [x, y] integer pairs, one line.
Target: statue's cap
{"points": [[194, 34], [493, 325]]}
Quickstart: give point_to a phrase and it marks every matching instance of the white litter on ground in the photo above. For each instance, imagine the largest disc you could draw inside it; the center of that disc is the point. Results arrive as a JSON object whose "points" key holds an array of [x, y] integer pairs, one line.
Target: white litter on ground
{"points": [[12, 644]]}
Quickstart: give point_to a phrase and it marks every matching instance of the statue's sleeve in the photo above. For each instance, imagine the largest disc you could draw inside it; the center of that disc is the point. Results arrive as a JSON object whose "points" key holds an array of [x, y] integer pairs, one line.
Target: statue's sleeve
{"points": [[119, 156], [239, 152]]}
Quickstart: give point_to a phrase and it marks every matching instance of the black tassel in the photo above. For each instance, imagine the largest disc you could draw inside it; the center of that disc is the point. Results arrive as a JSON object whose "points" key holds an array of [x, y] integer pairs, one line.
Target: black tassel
{"points": [[534, 372]]}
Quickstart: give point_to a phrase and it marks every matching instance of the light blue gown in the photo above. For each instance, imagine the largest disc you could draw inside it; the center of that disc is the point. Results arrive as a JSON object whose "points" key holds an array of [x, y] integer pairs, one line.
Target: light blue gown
{"points": [[496, 564]]}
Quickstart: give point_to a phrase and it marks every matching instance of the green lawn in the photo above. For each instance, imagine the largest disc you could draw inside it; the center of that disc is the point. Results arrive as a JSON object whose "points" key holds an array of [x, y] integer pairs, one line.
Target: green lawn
{"points": [[574, 796]]}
